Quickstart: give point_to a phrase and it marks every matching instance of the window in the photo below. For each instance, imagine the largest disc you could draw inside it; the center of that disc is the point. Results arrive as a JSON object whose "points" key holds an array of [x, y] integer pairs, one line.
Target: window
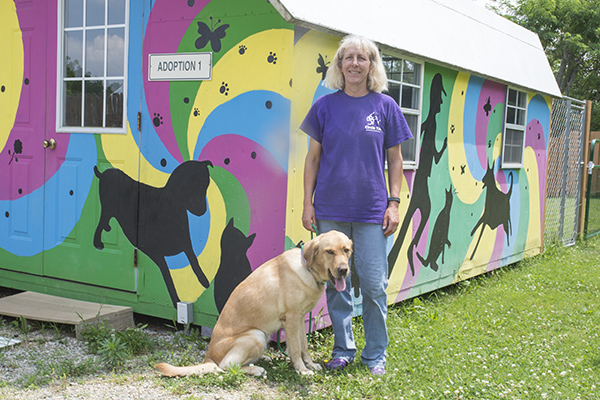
{"points": [[514, 129], [92, 66], [404, 86]]}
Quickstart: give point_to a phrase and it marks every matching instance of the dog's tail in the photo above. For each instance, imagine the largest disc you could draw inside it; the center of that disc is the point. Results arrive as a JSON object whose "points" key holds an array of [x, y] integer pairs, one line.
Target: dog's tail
{"points": [[97, 172], [200, 369]]}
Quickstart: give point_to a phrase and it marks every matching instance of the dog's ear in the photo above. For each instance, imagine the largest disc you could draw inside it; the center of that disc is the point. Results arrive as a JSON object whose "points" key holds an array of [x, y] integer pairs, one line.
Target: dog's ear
{"points": [[310, 250]]}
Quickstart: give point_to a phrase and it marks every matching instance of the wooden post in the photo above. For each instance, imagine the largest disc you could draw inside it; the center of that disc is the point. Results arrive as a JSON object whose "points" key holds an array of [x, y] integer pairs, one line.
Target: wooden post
{"points": [[585, 158]]}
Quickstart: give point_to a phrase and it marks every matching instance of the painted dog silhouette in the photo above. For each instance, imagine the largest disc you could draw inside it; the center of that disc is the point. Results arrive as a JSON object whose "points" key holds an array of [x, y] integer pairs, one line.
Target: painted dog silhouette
{"points": [[162, 228], [496, 211]]}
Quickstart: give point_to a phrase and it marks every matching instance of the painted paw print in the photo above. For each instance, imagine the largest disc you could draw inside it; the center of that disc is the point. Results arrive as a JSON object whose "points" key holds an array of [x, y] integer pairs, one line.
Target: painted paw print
{"points": [[452, 128], [196, 112], [272, 59], [157, 120], [224, 89], [242, 49]]}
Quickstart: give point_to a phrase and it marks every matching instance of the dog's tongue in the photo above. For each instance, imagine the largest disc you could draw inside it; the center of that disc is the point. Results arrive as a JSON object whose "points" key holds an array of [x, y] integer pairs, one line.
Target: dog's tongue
{"points": [[340, 284]]}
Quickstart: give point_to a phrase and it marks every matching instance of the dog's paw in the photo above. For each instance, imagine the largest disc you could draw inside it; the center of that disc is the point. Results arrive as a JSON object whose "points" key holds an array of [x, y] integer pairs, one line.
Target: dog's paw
{"points": [[306, 372], [313, 367], [265, 358], [203, 280], [254, 370]]}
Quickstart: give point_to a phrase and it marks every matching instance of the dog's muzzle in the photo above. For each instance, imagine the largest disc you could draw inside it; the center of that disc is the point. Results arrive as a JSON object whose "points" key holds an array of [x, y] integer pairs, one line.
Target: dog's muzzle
{"points": [[340, 282]]}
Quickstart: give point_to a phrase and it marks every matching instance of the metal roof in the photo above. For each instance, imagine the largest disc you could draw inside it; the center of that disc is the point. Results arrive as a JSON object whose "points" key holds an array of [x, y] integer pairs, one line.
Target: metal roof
{"points": [[460, 34]]}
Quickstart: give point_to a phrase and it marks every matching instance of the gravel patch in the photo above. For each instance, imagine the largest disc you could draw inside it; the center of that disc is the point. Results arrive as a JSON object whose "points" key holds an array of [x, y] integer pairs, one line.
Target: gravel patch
{"points": [[50, 363], [133, 388]]}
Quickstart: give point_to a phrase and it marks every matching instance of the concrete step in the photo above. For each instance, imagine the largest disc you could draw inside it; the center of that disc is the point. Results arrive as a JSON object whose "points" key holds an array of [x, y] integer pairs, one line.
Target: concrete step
{"points": [[43, 307]]}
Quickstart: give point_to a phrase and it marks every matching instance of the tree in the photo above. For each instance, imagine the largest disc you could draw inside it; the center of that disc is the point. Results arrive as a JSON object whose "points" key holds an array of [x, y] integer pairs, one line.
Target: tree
{"points": [[569, 31]]}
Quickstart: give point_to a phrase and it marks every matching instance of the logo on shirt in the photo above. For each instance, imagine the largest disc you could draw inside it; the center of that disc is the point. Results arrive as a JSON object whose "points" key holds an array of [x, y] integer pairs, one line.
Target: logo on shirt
{"points": [[373, 121]]}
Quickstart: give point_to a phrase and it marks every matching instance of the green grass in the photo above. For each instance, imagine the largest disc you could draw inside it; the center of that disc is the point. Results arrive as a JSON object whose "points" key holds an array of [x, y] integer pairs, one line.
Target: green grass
{"points": [[528, 331], [594, 216]]}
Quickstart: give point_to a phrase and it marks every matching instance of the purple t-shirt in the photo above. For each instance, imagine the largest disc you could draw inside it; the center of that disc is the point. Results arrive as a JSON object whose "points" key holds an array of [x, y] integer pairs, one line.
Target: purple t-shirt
{"points": [[355, 133]]}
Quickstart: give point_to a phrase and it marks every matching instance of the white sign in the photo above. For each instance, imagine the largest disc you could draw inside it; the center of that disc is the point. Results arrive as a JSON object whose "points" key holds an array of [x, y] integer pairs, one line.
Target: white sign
{"points": [[180, 67]]}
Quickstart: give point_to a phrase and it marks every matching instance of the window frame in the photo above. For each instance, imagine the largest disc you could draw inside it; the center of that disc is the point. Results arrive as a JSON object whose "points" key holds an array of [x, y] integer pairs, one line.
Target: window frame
{"points": [[514, 127], [410, 164], [60, 78]]}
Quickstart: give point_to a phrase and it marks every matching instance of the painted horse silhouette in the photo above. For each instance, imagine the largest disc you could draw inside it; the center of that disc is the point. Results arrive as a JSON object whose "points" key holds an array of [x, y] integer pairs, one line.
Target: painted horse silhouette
{"points": [[155, 220]]}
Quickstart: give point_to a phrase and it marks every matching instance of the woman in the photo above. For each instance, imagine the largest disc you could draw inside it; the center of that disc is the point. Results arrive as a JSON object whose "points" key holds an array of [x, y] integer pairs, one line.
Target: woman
{"points": [[351, 133]]}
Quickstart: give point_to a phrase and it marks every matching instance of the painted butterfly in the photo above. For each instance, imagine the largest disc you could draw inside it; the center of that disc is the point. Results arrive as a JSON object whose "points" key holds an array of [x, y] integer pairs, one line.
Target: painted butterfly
{"points": [[323, 67], [487, 107], [212, 34], [18, 149]]}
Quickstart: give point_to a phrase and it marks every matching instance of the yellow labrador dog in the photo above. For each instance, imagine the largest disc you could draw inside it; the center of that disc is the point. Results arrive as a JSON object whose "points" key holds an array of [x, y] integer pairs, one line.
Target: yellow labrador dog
{"points": [[277, 294]]}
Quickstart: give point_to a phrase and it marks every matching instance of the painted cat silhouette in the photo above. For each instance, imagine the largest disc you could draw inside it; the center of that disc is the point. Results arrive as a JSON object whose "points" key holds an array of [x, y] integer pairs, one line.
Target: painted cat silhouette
{"points": [[234, 266], [496, 211], [439, 237]]}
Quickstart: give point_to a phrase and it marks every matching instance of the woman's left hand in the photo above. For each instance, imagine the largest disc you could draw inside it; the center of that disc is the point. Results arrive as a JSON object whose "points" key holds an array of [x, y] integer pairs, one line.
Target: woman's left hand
{"points": [[391, 219]]}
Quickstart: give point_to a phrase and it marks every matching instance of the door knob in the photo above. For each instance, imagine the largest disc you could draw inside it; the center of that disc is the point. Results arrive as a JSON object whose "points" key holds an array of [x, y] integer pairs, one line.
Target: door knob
{"points": [[50, 144]]}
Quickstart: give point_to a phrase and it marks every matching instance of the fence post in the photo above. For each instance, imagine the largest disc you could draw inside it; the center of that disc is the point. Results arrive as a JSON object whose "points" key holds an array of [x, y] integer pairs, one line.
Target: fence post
{"points": [[585, 182]]}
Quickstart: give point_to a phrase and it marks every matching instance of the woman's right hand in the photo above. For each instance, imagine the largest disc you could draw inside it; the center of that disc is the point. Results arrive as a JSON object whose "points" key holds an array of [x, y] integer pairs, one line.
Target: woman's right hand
{"points": [[308, 218], [311, 169]]}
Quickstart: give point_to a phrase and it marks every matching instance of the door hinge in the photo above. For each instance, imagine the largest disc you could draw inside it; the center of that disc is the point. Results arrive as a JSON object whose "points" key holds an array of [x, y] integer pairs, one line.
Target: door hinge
{"points": [[139, 122], [135, 257]]}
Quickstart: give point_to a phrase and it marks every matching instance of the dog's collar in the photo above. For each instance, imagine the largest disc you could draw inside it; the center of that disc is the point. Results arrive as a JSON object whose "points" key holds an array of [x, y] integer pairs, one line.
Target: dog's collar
{"points": [[309, 267]]}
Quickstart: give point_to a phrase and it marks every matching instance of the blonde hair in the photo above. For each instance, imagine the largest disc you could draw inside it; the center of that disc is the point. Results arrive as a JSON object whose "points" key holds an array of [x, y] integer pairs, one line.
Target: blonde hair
{"points": [[377, 78]]}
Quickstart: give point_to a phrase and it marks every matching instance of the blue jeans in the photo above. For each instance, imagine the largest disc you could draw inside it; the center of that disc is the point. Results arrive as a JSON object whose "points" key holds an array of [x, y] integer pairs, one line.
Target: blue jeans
{"points": [[370, 258]]}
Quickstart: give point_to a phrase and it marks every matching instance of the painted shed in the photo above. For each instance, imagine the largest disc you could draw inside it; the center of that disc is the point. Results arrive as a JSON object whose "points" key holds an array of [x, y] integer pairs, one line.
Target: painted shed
{"points": [[151, 152]]}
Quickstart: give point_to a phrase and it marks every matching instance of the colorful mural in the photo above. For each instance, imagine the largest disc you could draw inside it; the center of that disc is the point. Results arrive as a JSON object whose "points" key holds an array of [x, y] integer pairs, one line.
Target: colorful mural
{"points": [[210, 187], [461, 214]]}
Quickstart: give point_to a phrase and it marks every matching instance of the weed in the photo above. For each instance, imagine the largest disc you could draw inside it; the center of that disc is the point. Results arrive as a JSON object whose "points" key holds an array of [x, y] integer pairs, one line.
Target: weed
{"points": [[22, 325], [136, 341], [115, 347], [256, 396], [190, 337], [94, 335], [56, 368], [113, 351]]}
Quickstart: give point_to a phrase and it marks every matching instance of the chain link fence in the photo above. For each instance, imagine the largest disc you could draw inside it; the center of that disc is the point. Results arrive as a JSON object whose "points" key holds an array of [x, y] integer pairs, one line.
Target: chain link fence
{"points": [[565, 155]]}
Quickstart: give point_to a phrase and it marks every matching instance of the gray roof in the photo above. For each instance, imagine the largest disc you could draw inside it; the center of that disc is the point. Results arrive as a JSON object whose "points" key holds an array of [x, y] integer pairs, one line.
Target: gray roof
{"points": [[460, 34]]}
